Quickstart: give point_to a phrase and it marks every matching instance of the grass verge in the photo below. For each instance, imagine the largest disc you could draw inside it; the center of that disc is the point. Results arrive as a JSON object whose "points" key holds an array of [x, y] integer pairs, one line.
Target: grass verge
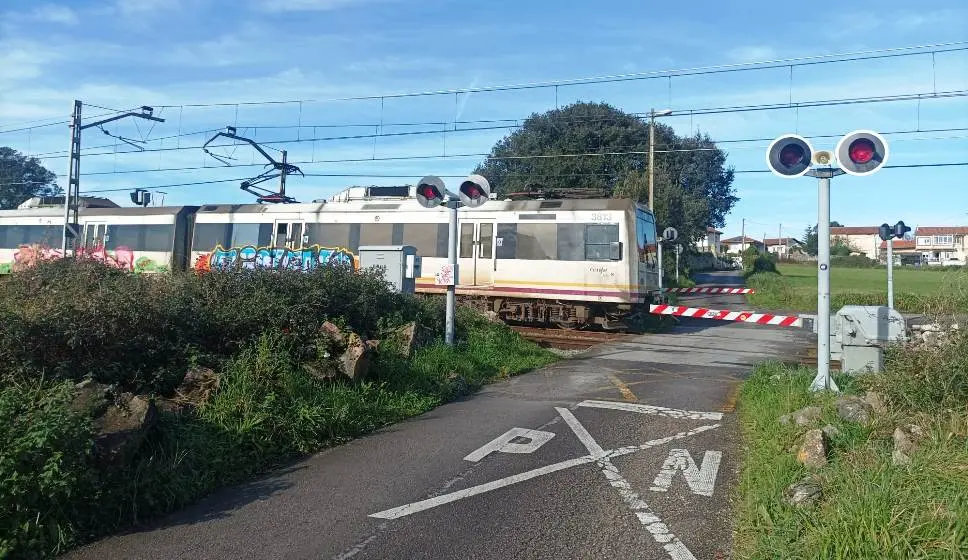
{"points": [[870, 507]]}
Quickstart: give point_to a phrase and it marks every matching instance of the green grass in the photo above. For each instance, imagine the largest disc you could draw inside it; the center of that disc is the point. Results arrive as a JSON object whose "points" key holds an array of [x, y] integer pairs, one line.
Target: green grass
{"points": [[870, 508], [915, 291]]}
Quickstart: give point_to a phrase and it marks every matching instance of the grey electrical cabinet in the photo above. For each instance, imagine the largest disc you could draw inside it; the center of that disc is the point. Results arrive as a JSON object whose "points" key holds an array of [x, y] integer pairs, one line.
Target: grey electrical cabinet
{"points": [[401, 263], [863, 331]]}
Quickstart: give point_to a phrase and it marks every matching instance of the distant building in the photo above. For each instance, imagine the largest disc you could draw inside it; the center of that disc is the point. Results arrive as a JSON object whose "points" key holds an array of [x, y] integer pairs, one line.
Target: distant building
{"points": [[710, 243], [783, 246], [905, 252], [864, 240], [942, 245], [739, 243]]}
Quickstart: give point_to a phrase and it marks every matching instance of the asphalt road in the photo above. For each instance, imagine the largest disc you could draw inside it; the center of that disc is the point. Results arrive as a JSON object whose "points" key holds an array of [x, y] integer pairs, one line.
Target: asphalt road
{"points": [[629, 450]]}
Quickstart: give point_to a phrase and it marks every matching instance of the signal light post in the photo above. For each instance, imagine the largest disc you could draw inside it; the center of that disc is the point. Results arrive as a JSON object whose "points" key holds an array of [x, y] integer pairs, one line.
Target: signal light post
{"points": [[859, 153], [888, 233], [431, 193]]}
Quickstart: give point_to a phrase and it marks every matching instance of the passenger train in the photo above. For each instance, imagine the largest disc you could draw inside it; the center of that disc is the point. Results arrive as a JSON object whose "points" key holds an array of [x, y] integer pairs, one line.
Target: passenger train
{"points": [[571, 263]]}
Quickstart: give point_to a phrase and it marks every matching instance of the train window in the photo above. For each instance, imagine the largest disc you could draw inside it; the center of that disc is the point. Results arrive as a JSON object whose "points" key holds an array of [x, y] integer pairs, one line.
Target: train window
{"points": [[507, 240], [140, 237], [466, 241], [376, 234], [424, 238], [443, 238], [329, 235], [537, 241], [210, 236], [598, 240], [486, 239], [571, 242], [12, 237]]}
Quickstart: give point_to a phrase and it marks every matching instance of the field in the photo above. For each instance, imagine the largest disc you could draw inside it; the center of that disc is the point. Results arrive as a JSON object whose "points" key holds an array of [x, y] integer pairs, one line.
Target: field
{"points": [[915, 291]]}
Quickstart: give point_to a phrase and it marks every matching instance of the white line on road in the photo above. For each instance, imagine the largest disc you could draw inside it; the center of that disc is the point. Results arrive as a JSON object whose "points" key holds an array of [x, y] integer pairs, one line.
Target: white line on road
{"points": [[414, 507], [652, 409], [652, 523], [701, 479]]}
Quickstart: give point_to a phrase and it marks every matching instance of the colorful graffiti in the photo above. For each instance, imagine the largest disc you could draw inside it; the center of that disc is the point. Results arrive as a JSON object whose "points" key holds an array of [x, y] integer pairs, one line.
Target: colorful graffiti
{"points": [[274, 258], [27, 256]]}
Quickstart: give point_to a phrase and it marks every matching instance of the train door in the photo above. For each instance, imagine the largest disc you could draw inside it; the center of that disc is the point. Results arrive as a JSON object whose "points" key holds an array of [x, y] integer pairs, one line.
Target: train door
{"points": [[94, 234], [476, 253], [289, 234]]}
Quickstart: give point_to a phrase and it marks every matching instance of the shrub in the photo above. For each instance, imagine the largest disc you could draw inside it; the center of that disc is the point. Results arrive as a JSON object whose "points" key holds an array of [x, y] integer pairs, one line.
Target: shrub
{"points": [[852, 261], [46, 483]]}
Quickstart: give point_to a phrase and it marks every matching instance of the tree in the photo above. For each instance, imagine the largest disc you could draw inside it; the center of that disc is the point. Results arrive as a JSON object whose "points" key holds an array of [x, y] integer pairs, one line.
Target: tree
{"points": [[22, 177], [810, 238], [692, 183]]}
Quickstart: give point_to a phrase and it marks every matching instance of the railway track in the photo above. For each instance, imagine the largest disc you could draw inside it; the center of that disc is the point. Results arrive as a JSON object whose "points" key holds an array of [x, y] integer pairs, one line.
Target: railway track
{"points": [[566, 339]]}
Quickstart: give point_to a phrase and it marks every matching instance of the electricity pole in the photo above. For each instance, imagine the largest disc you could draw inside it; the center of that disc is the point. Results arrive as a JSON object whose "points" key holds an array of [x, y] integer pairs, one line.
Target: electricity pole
{"points": [[742, 238], [72, 196]]}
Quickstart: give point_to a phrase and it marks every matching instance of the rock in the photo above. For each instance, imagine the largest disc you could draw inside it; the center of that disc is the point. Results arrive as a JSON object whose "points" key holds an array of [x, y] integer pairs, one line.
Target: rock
{"points": [[803, 417], [122, 428], [876, 402], [333, 333], [831, 431], [319, 370], [929, 337], [907, 440], [405, 338], [197, 386], [931, 327], [92, 397], [854, 409], [804, 493], [355, 361], [813, 450]]}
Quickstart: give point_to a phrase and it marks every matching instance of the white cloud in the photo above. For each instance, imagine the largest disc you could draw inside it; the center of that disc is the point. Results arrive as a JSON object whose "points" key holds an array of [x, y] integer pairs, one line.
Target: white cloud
{"points": [[303, 5], [130, 8], [54, 13], [752, 53]]}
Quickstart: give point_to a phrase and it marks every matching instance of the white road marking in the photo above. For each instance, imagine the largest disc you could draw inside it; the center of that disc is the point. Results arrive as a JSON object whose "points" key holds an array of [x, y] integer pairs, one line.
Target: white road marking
{"points": [[652, 523], [414, 507], [503, 443], [701, 480], [652, 409]]}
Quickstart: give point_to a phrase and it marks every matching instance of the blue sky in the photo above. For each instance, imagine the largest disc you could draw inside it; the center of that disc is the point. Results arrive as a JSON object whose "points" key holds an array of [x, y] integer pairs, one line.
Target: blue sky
{"points": [[126, 53]]}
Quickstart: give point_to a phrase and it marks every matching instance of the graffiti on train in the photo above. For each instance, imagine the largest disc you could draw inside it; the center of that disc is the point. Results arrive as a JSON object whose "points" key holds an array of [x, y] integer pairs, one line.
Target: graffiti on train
{"points": [[27, 256], [274, 258]]}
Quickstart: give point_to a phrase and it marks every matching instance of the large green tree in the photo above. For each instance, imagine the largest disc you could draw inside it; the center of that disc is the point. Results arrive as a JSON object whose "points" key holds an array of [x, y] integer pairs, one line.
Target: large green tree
{"points": [[22, 177], [594, 149]]}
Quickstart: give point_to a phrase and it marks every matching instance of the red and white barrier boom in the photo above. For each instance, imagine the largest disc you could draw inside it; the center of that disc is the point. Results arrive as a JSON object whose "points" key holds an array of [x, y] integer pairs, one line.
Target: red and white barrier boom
{"points": [[726, 315], [710, 290]]}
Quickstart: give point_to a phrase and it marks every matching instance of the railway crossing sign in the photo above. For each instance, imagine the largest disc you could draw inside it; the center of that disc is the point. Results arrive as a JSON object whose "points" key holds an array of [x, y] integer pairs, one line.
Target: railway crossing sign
{"points": [[670, 234]]}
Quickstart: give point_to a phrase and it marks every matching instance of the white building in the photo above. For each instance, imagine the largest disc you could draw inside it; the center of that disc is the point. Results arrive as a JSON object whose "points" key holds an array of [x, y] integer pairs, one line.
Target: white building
{"points": [[781, 247], [865, 240], [942, 245]]}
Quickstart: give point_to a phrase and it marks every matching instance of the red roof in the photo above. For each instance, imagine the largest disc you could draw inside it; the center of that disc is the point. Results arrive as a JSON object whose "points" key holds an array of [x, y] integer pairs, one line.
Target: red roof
{"points": [[771, 241], [872, 230], [738, 239], [900, 244], [943, 230]]}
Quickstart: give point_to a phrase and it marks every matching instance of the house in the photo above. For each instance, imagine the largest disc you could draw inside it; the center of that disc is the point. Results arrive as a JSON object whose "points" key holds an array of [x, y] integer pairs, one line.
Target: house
{"points": [[710, 243], [739, 243], [905, 252], [864, 240], [782, 246], [942, 245]]}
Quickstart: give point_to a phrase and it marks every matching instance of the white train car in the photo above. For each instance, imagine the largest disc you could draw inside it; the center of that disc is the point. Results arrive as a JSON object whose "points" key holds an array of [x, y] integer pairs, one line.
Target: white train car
{"points": [[567, 262], [134, 239]]}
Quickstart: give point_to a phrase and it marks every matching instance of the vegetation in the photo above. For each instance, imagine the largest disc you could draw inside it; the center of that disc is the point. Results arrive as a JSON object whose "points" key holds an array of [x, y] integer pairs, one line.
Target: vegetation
{"points": [[755, 262], [810, 239], [693, 184], [870, 506], [62, 322], [915, 290], [22, 177]]}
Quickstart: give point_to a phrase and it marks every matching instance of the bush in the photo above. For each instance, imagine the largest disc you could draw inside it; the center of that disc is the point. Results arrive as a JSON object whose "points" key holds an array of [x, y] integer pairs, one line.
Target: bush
{"points": [[852, 261], [755, 262], [46, 484]]}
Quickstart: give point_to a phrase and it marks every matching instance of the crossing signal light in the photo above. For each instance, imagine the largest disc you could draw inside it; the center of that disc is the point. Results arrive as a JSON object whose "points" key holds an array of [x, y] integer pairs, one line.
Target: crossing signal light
{"points": [[430, 191], [885, 232], [789, 156], [900, 229], [862, 152], [474, 191]]}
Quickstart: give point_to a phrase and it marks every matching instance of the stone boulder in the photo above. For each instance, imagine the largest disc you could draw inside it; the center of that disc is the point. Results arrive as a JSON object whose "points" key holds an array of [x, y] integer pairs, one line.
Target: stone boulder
{"points": [[121, 422], [854, 409], [92, 397], [803, 417], [813, 450], [876, 401], [355, 360], [907, 440], [831, 431], [803, 493], [197, 387]]}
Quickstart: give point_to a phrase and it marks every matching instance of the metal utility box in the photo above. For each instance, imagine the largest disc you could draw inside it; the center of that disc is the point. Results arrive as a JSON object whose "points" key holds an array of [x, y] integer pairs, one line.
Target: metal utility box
{"points": [[401, 262], [862, 333]]}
